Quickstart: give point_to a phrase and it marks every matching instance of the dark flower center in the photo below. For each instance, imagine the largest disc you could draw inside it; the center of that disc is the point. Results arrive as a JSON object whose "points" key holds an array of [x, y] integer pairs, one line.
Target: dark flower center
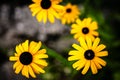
{"points": [[68, 10], [45, 4], [25, 58], [85, 30], [89, 54]]}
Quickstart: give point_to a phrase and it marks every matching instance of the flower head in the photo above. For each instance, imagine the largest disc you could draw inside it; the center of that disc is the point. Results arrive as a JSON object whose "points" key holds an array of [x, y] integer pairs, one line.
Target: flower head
{"points": [[46, 9], [70, 13], [88, 55], [29, 59], [85, 28]]}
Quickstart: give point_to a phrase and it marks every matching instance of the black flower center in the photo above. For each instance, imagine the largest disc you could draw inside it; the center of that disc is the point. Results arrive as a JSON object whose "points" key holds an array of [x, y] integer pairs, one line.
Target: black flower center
{"points": [[68, 10], [45, 4], [85, 30], [25, 58], [89, 54]]}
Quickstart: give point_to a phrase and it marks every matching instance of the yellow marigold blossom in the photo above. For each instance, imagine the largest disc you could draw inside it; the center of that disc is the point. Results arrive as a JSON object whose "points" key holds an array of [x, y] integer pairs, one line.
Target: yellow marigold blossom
{"points": [[88, 55], [29, 59], [46, 9], [85, 28], [70, 13]]}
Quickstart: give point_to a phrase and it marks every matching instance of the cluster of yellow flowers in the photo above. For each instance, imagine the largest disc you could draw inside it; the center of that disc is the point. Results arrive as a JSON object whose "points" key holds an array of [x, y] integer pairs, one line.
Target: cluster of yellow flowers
{"points": [[30, 60], [51, 9], [89, 51]]}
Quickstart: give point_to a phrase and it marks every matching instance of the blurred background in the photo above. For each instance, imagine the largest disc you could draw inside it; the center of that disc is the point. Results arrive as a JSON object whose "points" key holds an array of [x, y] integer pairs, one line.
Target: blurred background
{"points": [[17, 25]]}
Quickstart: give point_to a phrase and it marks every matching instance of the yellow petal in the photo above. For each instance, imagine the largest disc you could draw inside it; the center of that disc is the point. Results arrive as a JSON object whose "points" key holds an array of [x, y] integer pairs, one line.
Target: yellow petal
{"points": [[94, 25], [39, 16], [37, 68], [95, 43], [74, 52], [78, 48], [52, 11], [97, 64], [21, 48], [91, 37], [16, 54], [87, 65], [32, 46], [73, 31], [71, 58], [41, 62], [58, 8], [72, 20], [38, 9], [89, 42], [63, 21], [95, 33], [25, 71], [83, 43], [18, 69], [18, 50], [84, 20], [31, 72], [78, 21], [100, 61], [88, 21], [81, 64], [13, 58], [32, 5], [51, 18], [77, 35], [32, 10], [36, 48], [41, 56], [76, 64], [74, 26], [68, 21], [25, 45], [42, 51], [101, 54], [100, 47], [16, 64], [44, 16], [93, 68]]}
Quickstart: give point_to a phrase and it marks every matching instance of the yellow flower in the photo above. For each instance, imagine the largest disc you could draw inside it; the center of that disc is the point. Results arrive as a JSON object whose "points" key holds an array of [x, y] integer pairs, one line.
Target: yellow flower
{"points": [[70, 13], [29, 59], [45, 9], [85, 28], [88, 55]]}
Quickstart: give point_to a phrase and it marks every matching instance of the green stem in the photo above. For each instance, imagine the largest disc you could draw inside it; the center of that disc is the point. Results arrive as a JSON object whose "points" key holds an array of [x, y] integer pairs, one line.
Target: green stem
{"points": [[57, 56]]}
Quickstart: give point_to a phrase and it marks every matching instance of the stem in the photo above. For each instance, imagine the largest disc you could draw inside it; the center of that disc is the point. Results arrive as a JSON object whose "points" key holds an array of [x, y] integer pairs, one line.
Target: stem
{"points": [[57, 56]]}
